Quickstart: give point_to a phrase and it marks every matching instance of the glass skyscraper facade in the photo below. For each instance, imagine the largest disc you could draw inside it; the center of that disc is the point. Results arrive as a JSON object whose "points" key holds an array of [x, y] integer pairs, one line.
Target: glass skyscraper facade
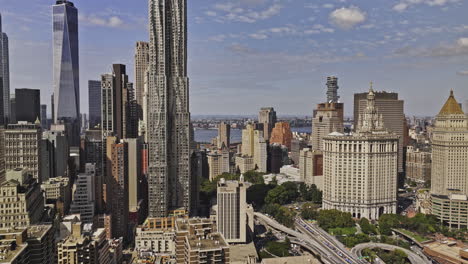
{"points": [[94, 94], [66, 64], [4, 76]]}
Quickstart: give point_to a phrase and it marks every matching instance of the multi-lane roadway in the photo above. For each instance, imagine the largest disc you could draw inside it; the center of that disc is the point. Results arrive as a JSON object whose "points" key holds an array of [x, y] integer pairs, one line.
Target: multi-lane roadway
{"points": [[316, 240]]}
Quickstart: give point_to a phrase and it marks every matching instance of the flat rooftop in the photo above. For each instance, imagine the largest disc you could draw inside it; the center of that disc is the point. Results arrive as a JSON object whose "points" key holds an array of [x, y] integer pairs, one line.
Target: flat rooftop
{"points": [[309, 259], [213, 241], [444, 249], [241, 253]]}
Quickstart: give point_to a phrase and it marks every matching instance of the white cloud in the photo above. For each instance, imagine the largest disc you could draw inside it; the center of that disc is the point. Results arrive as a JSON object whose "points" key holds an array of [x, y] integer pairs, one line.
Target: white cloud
{"points": [[405, 4], [347, 18], [463, 42], [258, 36], [459, 48], [463, 73], [112, 21], [330, 6], [245, 11]]}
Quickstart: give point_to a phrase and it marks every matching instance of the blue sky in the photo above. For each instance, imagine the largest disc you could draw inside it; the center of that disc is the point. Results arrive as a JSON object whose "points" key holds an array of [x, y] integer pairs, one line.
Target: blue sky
{"points": [[245, 54]]}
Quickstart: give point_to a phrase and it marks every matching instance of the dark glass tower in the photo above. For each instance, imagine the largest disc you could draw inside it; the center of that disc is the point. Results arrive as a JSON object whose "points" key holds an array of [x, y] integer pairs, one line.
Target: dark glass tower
{"points": [[94, 92], [28, 105], [66, 67], [168, 109]]}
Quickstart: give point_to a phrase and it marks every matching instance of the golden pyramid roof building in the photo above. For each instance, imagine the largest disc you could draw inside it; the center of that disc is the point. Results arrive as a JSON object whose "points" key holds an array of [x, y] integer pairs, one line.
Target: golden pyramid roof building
{"points": [[451, 107]]}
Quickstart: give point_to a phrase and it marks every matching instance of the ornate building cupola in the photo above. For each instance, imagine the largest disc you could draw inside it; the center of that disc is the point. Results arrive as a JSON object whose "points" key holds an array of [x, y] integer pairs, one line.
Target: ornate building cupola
{"points": [[371, 120]]}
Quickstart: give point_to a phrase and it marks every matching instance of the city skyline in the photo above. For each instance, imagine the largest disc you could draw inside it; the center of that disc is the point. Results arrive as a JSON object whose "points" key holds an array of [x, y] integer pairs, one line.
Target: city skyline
{"points": [[414, 55]]}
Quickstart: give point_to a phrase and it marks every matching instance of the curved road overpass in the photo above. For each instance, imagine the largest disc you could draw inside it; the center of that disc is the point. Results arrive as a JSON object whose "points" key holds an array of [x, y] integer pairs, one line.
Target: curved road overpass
{"points": [[327, 252], [412, 257]]}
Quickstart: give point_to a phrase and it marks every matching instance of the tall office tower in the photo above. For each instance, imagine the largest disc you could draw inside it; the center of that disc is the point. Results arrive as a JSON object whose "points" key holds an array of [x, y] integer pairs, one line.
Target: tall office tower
{"points": [[332, 92], [135, 182], [326, 120], [260, 156], [392, 110], [360, 170], [281, 134], [117, 188], [218, 162], [247, 140], [418, 164], [21, 200], [4, 76], [117, 97], [94, 92], [2, 156], [199, 171], [141, 68], [66, 78], [66, 61], [93, 153], [449, 184], [311, 167], [224, 135], [277, 158], [83, 202], [254, 152], [52, 107], [54, 156], [23, 148], [197, 241], [44, 116], [28, 105], [168, 109], [12, 109], [231, 210], [267, 117], [297, 144]]}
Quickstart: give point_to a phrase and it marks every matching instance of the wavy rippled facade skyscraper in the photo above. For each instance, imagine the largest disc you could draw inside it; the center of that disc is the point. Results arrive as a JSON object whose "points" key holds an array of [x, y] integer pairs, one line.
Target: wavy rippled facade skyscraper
{"points": [[168, 108]]}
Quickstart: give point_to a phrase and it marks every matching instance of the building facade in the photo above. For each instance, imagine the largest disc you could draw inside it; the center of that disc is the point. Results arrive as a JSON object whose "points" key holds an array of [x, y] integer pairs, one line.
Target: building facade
{"points": [[28, 105], [168, 109], [392, 110], [231, 213], [311, 167], [157, 236], [66, 61], [197, 241], [21, 200], [224, 135], [332, 91], [117, 189], [23, 148], [84, 197], [54, 154], [141, 69], [361, 170], [118, 113], [418, 164], [328, 118], [449, 184], [267, 117], [281, 134], [94, 95], [4, 76], [218, 162]]}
